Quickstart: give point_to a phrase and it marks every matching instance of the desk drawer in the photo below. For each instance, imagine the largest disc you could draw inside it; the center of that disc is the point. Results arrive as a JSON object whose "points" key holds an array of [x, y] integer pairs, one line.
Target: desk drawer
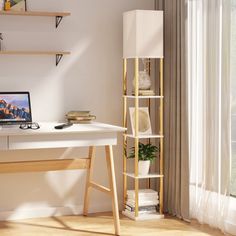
{"points": [[3, 143], [61, 141]]}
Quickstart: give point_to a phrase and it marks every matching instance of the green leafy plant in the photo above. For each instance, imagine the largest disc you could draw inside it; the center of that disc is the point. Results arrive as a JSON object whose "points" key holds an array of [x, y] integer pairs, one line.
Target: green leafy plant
{"points": [[146, 152]]}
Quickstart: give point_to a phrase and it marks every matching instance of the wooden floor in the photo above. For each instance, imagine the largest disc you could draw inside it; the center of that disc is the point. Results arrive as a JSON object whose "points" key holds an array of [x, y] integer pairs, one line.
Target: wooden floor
{"points": [[102, 224]]}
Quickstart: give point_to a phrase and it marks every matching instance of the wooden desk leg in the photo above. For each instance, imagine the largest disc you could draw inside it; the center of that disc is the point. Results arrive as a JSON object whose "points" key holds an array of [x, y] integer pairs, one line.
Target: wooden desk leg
{"points": [[88, 180], [112, 180]]}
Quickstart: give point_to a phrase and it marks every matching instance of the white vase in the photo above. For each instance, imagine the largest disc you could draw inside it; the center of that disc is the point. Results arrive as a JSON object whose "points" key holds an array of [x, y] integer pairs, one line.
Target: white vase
{"points": [[143, 167], [143, 80]]}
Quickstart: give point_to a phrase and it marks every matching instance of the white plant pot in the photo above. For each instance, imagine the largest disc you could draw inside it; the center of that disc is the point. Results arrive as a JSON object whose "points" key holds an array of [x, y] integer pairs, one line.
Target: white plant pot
{"points": [[143, 167]]}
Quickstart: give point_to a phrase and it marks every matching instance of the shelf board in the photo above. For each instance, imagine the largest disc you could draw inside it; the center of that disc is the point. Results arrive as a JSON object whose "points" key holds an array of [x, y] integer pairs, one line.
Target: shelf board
{"points": [[34, 13], [144, 136], [57, 54], [34, 53], [143, 216], [58, 15], [143, 97], [148, 176]]}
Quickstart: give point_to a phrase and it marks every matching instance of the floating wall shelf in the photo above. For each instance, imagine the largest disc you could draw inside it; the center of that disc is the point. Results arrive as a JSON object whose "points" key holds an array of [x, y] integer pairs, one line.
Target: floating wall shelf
{"points": [[58, 54], [58, 15]]}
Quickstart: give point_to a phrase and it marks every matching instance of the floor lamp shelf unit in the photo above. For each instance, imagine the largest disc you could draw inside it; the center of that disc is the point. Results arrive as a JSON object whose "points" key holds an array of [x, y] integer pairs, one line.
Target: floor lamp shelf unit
{"points": [[143, 41]]}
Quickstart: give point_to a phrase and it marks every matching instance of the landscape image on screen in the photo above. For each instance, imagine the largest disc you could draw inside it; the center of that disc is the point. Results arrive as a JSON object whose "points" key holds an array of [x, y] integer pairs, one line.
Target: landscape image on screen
{"points": [[14, 107]]}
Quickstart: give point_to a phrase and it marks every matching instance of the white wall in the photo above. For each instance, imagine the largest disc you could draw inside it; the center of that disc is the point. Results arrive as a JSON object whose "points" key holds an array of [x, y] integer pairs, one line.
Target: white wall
{"points": [[90, 78]]}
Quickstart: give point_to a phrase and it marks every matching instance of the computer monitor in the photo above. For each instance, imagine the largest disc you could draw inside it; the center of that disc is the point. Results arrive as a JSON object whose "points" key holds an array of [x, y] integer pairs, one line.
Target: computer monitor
{"points": [[15, 108]]}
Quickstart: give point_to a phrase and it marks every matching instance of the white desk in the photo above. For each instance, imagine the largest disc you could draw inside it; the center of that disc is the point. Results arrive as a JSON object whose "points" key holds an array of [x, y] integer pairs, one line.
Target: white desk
{"points": [[81, 135]]}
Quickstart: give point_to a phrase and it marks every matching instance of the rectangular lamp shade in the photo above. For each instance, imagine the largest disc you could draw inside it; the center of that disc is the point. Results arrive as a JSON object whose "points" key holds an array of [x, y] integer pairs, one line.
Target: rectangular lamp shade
{"points": [[143, 34]]}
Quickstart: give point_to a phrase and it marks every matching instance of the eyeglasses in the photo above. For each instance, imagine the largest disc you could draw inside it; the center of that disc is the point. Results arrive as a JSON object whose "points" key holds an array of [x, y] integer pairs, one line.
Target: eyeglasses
{"points": [[33, 125]]}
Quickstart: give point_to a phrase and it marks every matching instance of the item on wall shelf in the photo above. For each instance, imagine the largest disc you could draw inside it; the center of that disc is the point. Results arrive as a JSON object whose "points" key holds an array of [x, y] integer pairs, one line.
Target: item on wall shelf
{"points": [[7, 5], [144, 125], [75, 117], [2, 5], [1, 39], [18, 5]]}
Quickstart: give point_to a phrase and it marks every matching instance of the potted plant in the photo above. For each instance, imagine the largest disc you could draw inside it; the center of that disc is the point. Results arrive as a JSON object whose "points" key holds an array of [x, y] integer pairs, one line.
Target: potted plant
{"points": [[146, 155]]}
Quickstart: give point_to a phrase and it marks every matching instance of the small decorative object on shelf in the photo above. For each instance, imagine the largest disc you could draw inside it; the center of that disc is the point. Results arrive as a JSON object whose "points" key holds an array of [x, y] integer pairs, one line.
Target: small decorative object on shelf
{"points": [[146, 155], [144, 120], [1, 40], [7, 5], [1, 5], [18, 5], [75, 117], [144, 79]]}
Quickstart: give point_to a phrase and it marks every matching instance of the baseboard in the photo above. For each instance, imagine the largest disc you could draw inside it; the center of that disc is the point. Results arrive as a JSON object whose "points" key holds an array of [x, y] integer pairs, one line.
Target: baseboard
{"points": [[28, 213]]}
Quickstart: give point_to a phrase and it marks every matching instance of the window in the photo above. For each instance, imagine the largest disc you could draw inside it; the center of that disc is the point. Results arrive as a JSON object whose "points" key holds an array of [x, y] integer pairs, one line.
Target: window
{"points": [[233, 96]]}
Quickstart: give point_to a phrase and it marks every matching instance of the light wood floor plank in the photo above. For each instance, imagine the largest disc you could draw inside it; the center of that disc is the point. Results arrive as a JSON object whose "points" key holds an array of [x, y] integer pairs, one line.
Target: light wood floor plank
{"points": [[102, 224]]}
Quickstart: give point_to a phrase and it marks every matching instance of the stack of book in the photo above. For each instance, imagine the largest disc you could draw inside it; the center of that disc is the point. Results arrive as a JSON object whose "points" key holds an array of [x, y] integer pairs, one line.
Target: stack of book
{"points": [[75, 117], [145, 92], [147, 203]]}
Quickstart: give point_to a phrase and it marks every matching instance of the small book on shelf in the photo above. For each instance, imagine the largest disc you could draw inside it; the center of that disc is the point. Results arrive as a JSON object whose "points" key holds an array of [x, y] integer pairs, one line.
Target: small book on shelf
{"points": [[141, 212], [142, 203], [145, 93], [142, 208], [148, 201], [143, 193]]}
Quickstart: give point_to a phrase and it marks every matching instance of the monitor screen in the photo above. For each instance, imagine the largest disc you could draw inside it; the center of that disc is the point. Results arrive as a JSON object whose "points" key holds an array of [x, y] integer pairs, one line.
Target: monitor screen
{"points": [[15, 107]]}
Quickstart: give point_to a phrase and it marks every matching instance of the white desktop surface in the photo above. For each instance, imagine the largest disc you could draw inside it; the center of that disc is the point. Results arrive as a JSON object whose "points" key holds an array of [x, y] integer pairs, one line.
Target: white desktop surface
{"points": [[48, 128], [95, 134]]}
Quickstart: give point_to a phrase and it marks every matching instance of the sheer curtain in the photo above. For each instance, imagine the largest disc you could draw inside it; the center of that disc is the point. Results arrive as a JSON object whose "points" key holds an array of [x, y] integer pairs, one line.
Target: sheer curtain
{"points": [[209, 113]]}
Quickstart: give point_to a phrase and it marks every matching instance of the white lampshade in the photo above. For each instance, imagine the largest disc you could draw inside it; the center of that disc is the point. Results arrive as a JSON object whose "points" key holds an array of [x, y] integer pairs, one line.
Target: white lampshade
{"points": [[143, 34]]}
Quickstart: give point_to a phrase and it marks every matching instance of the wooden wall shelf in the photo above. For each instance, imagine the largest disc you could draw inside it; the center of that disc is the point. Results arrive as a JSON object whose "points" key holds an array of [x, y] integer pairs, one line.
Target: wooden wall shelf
{"points": [[33, 13], [33, 52], [59, 15], [58, 54]]}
